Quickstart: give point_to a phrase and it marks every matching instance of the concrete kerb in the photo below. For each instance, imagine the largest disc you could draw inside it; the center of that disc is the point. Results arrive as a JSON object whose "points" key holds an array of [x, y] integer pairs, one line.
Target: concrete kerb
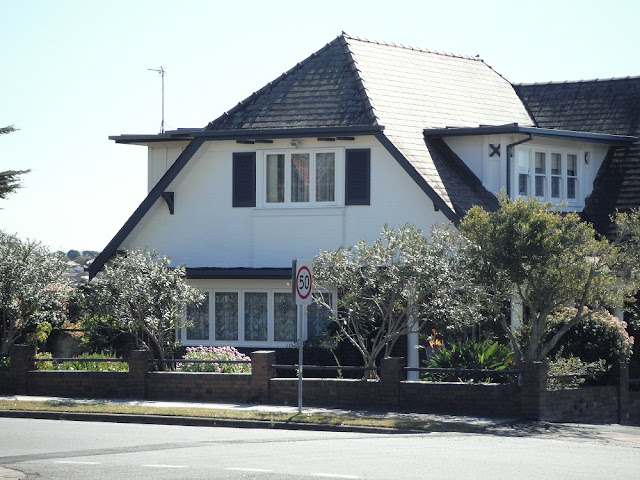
{"points": [[456, 422]]}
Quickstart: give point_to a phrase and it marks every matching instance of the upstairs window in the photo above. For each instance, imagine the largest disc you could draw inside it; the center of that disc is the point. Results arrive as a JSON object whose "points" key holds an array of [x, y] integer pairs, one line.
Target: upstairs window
{"points": [[300, 178], [551, 175]]}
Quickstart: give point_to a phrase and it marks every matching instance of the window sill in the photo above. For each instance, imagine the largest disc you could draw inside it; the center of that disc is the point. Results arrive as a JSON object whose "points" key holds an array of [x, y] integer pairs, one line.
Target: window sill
{"points": [[324, 211]]}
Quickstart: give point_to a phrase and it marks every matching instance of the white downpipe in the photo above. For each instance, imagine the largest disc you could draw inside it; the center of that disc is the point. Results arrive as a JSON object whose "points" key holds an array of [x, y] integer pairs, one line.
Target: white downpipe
{"points": [[413, 352]]}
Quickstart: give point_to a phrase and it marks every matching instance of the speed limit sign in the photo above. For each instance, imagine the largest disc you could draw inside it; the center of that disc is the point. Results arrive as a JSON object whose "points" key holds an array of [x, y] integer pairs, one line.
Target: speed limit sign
{"points": [[302, 281]]}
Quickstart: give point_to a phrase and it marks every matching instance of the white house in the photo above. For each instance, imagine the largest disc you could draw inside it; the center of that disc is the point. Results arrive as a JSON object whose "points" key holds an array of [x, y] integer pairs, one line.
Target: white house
{"points": [[361, 134]]}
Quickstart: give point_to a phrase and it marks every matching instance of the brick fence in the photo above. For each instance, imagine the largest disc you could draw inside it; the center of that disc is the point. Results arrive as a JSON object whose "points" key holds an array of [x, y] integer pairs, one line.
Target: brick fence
{"points": [[529, 399]]}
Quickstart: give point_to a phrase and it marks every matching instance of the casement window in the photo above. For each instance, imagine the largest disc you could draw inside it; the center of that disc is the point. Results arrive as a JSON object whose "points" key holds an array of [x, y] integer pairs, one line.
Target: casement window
{"points": [[251, 317], [549, 174], [299, 177]]}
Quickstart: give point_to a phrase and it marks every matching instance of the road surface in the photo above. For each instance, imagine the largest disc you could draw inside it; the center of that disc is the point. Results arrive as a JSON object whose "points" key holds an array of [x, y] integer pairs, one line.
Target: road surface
{"points": [[49, 449]]}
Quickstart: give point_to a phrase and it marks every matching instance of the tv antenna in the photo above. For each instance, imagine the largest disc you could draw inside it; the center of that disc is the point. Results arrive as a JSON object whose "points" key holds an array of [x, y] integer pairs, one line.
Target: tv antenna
{"points": [[161, 71]]}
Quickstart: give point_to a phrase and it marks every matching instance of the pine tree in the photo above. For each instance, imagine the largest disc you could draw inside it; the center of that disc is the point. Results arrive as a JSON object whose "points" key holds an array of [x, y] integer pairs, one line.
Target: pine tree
{"points": [[9, 179]]}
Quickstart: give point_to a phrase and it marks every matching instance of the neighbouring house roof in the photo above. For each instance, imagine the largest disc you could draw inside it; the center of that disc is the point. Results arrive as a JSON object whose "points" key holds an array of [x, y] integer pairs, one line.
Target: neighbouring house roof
{"points": [[599, 106]]}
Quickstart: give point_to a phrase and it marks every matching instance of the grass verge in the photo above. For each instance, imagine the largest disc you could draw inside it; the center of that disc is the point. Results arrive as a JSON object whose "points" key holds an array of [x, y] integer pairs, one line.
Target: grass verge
{"points": [[311, 418]]}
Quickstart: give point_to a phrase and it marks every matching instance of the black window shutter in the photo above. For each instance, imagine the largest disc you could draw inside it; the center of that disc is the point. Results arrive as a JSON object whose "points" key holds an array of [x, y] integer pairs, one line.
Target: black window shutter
{"points": [[244, 179], [358, 177]]}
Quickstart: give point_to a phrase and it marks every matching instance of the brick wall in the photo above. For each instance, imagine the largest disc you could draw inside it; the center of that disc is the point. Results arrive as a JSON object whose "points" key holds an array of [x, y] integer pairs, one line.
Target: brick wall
{"points": [[595, 404], [67, 383], [206, 387], [606, 404]]}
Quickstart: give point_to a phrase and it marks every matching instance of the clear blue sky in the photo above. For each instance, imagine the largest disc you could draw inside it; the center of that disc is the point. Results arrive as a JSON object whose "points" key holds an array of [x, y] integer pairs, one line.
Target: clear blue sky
{"points": [[74, 72]]}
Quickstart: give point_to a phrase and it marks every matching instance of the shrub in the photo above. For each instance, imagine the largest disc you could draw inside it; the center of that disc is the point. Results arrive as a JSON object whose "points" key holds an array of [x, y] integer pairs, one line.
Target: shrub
{"points": [[577, 372], [600, 336], [486, 355], [214, 353], [108, 366]]}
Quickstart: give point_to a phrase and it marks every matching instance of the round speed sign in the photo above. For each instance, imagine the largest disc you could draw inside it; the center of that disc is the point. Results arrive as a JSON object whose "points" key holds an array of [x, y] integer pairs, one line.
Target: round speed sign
{"points": [[304, 284]]}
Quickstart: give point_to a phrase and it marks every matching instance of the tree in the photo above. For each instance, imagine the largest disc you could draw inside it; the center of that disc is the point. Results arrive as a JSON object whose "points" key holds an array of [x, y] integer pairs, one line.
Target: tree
{"points": [[391, 286], [139, 291], [33, 287], [547, 260], [9, 179]]}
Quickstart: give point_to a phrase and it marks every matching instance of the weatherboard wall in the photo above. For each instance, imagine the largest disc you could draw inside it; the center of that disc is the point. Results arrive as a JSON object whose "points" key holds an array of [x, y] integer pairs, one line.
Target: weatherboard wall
{"points": [[207, 231]]}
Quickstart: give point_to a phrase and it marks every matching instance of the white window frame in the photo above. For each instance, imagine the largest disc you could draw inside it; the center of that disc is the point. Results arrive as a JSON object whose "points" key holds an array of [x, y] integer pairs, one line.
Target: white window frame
{"points": [[531, 180], [261, 182], [270, 342]]}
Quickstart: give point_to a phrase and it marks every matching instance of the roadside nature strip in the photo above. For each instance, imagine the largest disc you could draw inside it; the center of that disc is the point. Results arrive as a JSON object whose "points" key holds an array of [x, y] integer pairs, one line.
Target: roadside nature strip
{"points": [[369, 420]]}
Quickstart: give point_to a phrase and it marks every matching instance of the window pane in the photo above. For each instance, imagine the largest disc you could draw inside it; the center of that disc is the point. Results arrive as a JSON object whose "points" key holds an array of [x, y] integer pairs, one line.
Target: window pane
{"points": [[226, 306], [198, 320], [540, 185], [275, 178], [540, 162], [555, 187], [523, 185], [556, 162], [572, 163], [522, 167], [325, 177], [284, 318], [318, 317], [572, 184], [299, 177], [255, 316]]}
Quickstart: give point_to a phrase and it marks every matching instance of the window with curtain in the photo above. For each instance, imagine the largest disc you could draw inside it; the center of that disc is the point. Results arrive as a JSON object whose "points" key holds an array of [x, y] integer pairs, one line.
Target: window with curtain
{"points": [[198, 320]]}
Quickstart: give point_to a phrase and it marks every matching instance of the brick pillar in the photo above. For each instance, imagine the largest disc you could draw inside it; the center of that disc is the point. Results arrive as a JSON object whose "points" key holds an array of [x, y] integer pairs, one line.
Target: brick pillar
{"points": [[624, 398], [533, 390], [261, 374], [391, 374], [21, 362], [139, 365]]}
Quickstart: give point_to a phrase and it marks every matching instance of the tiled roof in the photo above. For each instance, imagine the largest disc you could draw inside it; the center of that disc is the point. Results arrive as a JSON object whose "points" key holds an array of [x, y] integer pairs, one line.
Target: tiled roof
{"points": [[320, 91], [354, 81], [601, 106]]}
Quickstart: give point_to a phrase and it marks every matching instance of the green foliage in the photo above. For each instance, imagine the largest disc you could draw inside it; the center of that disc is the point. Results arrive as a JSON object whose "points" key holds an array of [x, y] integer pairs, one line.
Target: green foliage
{"points": [[41, 333], [104, 333], [34, 287], [571, 372], [108, 366], [486, 355], [142, 294], [545, 258], [382, 285], [214, 353], [599, 336], [73, 254]]}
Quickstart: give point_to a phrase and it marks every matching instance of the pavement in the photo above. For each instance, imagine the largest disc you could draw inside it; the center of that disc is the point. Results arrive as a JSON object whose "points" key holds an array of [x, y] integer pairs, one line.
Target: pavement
{"points": [[509, 427]]}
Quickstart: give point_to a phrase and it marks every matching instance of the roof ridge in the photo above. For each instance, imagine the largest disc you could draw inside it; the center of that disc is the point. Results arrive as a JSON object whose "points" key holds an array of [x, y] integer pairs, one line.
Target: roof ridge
{"points": [[358, 78], [242, 104], [592, 80], [409, 47]]}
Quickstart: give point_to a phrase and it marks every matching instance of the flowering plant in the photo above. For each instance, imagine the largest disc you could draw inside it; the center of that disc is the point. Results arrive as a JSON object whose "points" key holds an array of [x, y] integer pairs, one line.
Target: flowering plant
{"points": [[229, 354]]}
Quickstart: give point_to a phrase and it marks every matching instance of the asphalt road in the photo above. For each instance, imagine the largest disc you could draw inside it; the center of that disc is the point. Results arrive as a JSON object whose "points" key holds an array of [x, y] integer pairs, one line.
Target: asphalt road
{"points": [[48, 449]]}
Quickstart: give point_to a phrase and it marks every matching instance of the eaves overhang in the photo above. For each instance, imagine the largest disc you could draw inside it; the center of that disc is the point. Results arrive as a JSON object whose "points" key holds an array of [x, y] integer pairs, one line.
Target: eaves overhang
{"points": [[183, 135], [180, 135], [240, 273], [268, 133], [616, 140]]}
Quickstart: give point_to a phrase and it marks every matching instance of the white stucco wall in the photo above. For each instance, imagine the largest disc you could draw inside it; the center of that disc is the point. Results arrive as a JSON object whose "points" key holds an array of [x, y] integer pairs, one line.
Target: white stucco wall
{"points": [[206, 231]]}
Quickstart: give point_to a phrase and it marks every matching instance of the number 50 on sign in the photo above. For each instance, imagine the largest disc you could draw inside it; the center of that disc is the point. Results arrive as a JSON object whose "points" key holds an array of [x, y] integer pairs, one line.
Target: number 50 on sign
{"points": [[302, 281]]}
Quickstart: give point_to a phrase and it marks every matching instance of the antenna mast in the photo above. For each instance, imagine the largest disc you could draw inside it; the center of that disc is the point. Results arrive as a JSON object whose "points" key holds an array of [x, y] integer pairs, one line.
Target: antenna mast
{"points": [[161, 71]]}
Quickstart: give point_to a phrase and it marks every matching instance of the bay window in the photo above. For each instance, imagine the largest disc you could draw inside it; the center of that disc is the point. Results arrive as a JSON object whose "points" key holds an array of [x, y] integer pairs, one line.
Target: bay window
{"points": [[251, 317]]}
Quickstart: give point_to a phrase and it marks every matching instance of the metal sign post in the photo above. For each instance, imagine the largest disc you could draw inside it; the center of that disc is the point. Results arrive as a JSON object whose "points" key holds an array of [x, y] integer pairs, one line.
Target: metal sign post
{"points": [[302, 283]]}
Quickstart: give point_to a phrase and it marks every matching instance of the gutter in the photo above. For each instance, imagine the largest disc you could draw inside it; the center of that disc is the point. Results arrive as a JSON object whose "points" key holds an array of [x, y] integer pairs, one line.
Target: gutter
{"points": [[509, 147]]}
